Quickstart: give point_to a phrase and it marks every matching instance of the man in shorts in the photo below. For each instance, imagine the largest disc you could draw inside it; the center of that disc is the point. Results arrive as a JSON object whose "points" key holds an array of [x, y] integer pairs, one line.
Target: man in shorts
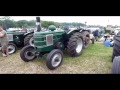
{"points": [[4, 42]]}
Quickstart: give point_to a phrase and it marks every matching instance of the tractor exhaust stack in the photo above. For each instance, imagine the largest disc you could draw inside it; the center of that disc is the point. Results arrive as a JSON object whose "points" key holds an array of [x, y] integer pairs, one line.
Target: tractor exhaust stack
{"points": [[4, 26], [38, 24]]}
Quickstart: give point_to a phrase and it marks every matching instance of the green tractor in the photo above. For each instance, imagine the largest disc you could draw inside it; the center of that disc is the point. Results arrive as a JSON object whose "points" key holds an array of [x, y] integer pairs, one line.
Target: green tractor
{"points": [[53, 42], [17, 39]]}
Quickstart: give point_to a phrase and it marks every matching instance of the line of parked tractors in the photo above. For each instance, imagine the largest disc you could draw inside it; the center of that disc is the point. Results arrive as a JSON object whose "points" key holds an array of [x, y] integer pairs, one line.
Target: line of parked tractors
{"points": [[51, 43]]}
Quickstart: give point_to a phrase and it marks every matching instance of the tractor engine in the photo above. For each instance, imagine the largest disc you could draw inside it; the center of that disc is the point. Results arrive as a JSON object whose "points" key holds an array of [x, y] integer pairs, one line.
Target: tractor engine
{"points": [[45, 41]]}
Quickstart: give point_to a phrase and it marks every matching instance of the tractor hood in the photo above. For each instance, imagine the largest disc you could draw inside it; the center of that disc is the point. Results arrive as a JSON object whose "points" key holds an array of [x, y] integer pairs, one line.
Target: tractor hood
{"points": [[49, 32], [44, 40], [15, 33]]}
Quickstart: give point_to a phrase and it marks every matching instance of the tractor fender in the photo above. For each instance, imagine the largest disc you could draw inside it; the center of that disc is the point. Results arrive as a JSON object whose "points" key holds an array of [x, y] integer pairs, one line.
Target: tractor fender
{"points": [[85, 30], [27, 34], [72, 31]]}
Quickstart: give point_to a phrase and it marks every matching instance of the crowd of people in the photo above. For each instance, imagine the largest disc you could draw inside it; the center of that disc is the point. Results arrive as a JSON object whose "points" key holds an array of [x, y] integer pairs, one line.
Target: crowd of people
{"points": [[107, 39]]}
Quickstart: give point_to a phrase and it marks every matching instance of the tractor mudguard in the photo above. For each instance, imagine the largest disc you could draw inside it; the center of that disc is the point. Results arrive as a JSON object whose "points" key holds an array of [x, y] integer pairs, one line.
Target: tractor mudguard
{"points": [[71, 32], [27, 33], [76, 30]]}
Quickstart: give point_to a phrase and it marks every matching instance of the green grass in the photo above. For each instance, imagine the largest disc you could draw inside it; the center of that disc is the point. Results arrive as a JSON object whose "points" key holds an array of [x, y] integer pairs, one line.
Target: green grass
{"points": [[96, 59]]}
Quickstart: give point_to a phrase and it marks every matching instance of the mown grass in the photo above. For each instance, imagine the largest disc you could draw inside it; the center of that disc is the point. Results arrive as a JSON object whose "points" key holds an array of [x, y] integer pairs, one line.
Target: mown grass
{"points": [[96, 59]]}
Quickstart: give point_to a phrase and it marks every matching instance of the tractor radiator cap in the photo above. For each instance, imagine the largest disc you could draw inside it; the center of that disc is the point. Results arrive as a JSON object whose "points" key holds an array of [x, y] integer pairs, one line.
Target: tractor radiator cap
{"points": [[52, 27]]}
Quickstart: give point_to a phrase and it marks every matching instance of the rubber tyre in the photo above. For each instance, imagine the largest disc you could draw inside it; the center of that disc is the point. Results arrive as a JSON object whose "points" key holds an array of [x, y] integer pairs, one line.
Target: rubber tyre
{"points": [[116, 47], [86, 41], [24, 50], [72, 45], [50, 59], [15, 48], [27, 39], [116, 65]]}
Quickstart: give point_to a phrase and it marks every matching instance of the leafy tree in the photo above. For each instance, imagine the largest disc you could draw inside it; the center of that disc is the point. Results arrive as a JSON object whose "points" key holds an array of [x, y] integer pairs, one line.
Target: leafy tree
{"points": [[46, 24], [9, 23], [0, 23], [21, 23], [31, 23]]}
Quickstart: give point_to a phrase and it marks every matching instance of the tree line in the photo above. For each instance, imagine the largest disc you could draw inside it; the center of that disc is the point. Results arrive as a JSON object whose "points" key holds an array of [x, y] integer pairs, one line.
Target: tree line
{"points": [[32, 23]]}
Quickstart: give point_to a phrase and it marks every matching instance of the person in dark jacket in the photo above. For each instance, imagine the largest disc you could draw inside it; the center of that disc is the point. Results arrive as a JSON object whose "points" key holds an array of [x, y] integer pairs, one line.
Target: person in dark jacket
{"points": [[96, 34]]}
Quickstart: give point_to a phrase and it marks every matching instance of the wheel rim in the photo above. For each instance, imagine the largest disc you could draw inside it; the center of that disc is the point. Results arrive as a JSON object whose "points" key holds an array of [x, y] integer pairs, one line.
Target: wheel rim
{"points": [[11, 49], [31, 42], [79, 45], [30, 54], [56, 60]]}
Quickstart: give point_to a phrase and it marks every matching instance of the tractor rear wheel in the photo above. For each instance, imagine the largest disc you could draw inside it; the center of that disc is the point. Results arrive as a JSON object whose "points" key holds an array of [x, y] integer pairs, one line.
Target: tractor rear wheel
{"points": [[116, 65], [54, 59], [116, 46], [75, 45], [28, 40], [86, 38], [28, 53]]}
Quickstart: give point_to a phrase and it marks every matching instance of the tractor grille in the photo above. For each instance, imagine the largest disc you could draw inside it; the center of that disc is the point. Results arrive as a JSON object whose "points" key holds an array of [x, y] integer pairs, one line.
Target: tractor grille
{"points": [[49, 39], [10, 37], [43, 40]]}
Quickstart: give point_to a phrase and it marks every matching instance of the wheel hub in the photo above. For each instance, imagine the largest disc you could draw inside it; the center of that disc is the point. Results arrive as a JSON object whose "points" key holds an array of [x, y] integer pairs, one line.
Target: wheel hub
{"points": [[79, 45], [31, 42], [30, 54], [56, 60], [87, 40], [11, 49]]}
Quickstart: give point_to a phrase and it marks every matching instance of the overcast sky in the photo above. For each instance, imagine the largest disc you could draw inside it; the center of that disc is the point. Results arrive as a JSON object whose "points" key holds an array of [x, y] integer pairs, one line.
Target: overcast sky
{"points": [[91, 20]]}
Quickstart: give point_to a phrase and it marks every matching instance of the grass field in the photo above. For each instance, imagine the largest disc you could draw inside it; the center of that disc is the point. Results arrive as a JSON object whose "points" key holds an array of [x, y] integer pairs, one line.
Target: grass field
{"points": [[96, 59]]}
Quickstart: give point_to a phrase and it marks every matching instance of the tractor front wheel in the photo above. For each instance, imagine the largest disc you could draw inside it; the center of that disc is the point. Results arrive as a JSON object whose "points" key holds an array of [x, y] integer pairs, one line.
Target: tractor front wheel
{"points": [[54, 59], [116, 65], [12, 48], [28, 53]]}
